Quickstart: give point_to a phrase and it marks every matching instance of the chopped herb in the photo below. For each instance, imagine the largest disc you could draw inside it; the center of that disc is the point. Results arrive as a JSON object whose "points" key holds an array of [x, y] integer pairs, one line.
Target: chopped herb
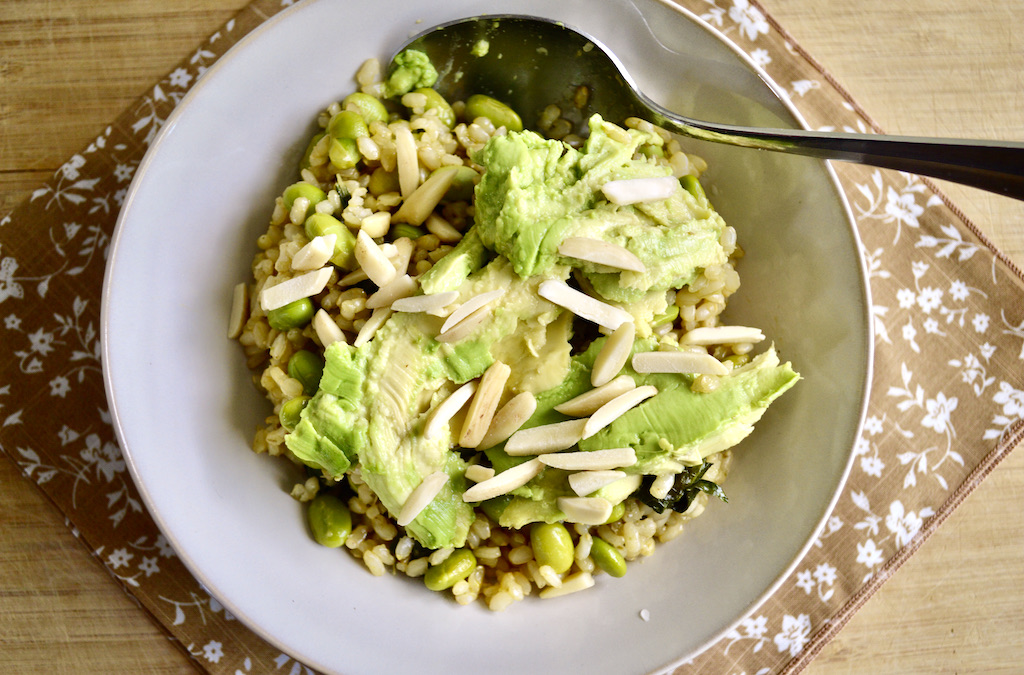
{"points": [[688, 483], [343, 193]]}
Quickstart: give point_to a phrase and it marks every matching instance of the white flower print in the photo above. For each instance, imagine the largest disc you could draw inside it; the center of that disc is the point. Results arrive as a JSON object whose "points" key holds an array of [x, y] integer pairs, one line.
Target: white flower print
{"points": [[869, 555], [59, 386], [123, 172], [213, 651], [754, 628], [119, 558], [70, 168], [872, 466], [750, 19], [906, 298], [909, 334], [980, 322], [796, 631], [903, 208], [9, 288], [929, 299], [180, 78], [41, 342], [904, 524], [164, 546], [958, 290], [12, 322], [873, 425], [761, 57], [938, 413], [149, 566]]}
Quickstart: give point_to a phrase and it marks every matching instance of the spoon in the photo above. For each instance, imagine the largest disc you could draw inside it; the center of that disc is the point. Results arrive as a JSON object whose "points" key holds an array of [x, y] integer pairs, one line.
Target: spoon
{"points": [[531, 62]]}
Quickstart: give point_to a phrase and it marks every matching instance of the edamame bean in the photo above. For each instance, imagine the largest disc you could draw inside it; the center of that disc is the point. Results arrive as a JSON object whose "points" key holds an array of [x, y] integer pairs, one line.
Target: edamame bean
{"points": [[291, 410], [500, 115], [400, 230], [607, 557], [618, 511], [295, 314], [456, 567], [437, 103], [670, 315], [343, 153], [305, 163], [330, 520], [382, 181], [347, 124], [322, 224], [552, 546], [693, 186], [368, 107], [493, 508], [461, 189], [306, 367], [311, 192], [651, 150]]}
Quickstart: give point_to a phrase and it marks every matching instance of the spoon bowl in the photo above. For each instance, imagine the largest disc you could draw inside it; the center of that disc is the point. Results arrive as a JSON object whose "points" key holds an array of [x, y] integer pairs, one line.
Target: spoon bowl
{"points": [[531, 62]]}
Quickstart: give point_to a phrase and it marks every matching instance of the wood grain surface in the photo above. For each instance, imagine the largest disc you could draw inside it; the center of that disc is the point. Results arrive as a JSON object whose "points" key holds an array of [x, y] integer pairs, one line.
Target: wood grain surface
{"points": [[925, 67]]}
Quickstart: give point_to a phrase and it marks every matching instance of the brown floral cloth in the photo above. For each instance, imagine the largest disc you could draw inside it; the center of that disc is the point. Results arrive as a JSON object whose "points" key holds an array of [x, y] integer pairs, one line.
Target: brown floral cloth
{"points": [[946, 405]]}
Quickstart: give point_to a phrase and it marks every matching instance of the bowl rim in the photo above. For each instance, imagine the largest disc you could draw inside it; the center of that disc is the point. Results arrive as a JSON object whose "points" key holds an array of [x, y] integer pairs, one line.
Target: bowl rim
{"points": [[181, 108]]}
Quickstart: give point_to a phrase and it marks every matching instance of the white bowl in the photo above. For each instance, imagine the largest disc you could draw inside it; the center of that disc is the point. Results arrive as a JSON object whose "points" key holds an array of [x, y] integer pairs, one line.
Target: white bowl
{"points": [[185, 408]]}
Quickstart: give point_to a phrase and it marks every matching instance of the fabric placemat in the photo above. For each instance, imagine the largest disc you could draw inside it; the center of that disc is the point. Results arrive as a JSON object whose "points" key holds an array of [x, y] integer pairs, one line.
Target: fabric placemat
{"points": [[946, 405]]}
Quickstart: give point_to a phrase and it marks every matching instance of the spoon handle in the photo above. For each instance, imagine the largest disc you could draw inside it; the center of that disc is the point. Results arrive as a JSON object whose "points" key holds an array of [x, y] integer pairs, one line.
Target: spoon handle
{"points": [[996, 166]]}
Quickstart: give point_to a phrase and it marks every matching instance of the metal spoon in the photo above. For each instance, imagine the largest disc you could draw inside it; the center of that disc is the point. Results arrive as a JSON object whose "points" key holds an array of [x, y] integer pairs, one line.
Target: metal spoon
{"points": [[531, 62]]}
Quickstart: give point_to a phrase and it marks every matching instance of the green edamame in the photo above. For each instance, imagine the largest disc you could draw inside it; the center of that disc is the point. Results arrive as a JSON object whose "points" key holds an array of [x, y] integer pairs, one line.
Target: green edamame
{"points": [[311, 192], [382, 181], [607, 557], [618, 511], [369, 108], [494, 507], [330, 520], [463, 183], [305, 163], [343, 153], [500, 115], [306, 367], [552, 546], [693, 186], [668, 316], [400, 230], [651, 150], [322, 224], [291, 411], [437, 103], [453, 569], [295, 314], [347, 124]]}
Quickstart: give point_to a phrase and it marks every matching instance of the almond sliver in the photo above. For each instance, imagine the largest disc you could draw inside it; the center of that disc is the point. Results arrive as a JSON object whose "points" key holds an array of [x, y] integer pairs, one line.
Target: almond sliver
{"points": [[580, 581], [425, 303], [399, 287], [376, 320], [446, 409], [469, 306], [504, 482], [640, 190], [585, 510], [584, 483], [721, 335], [592, 460], [678, 362], [407, 160], [421, 497], [296, 288], [239, 310], [546, 438], [379, 269], [326, 329], [617, 407], [613, 355], [478, 473], [589, 401], [508, 419], [583, 305], [315, 254], [466, 326], [601, 252], [484, 403]]}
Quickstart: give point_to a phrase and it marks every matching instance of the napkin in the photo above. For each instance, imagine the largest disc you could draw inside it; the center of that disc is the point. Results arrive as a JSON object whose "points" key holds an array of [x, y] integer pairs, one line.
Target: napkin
{"points": [[946, 404]]}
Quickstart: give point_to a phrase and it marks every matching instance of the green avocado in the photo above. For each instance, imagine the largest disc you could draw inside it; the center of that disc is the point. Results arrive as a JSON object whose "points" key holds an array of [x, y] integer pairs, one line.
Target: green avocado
{"points": [[412, 70]]}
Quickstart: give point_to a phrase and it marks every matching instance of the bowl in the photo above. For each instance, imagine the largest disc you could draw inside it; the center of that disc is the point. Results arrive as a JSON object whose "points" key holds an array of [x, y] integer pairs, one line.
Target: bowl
{"points": [[185, 409]]}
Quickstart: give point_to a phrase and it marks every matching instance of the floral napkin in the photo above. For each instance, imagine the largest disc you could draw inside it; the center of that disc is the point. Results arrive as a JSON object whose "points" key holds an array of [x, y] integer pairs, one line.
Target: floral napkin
{"points": [[946, 405]]}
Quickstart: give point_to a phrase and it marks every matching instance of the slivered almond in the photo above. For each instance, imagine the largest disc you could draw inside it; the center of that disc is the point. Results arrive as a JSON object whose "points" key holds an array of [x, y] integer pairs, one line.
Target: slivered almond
{"points": [[399, 287], [639, 190], [446, 410], [407, 160], [484, 403], [504, 482], [583, 305], [580, 581], [508, 419], [315, 254], [379, 269], [442, 229], [593, 460], [326, 329], [466, 326], [376, 224], [239, 310], [613, 355], [617, 407], [678, 362], [585, 510], [589, 401], [425, 303], [546, 438], [404, 248], [584, 483], [721, 335], [353, 278], [296, 288], [601, 252], [421, 202], [469, 306], [478, 473], [376, 320], [421, 497]]}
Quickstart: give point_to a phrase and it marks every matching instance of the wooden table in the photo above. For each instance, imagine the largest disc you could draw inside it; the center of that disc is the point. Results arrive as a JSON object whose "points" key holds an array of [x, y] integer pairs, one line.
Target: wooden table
{"points": [[927, 67]]}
